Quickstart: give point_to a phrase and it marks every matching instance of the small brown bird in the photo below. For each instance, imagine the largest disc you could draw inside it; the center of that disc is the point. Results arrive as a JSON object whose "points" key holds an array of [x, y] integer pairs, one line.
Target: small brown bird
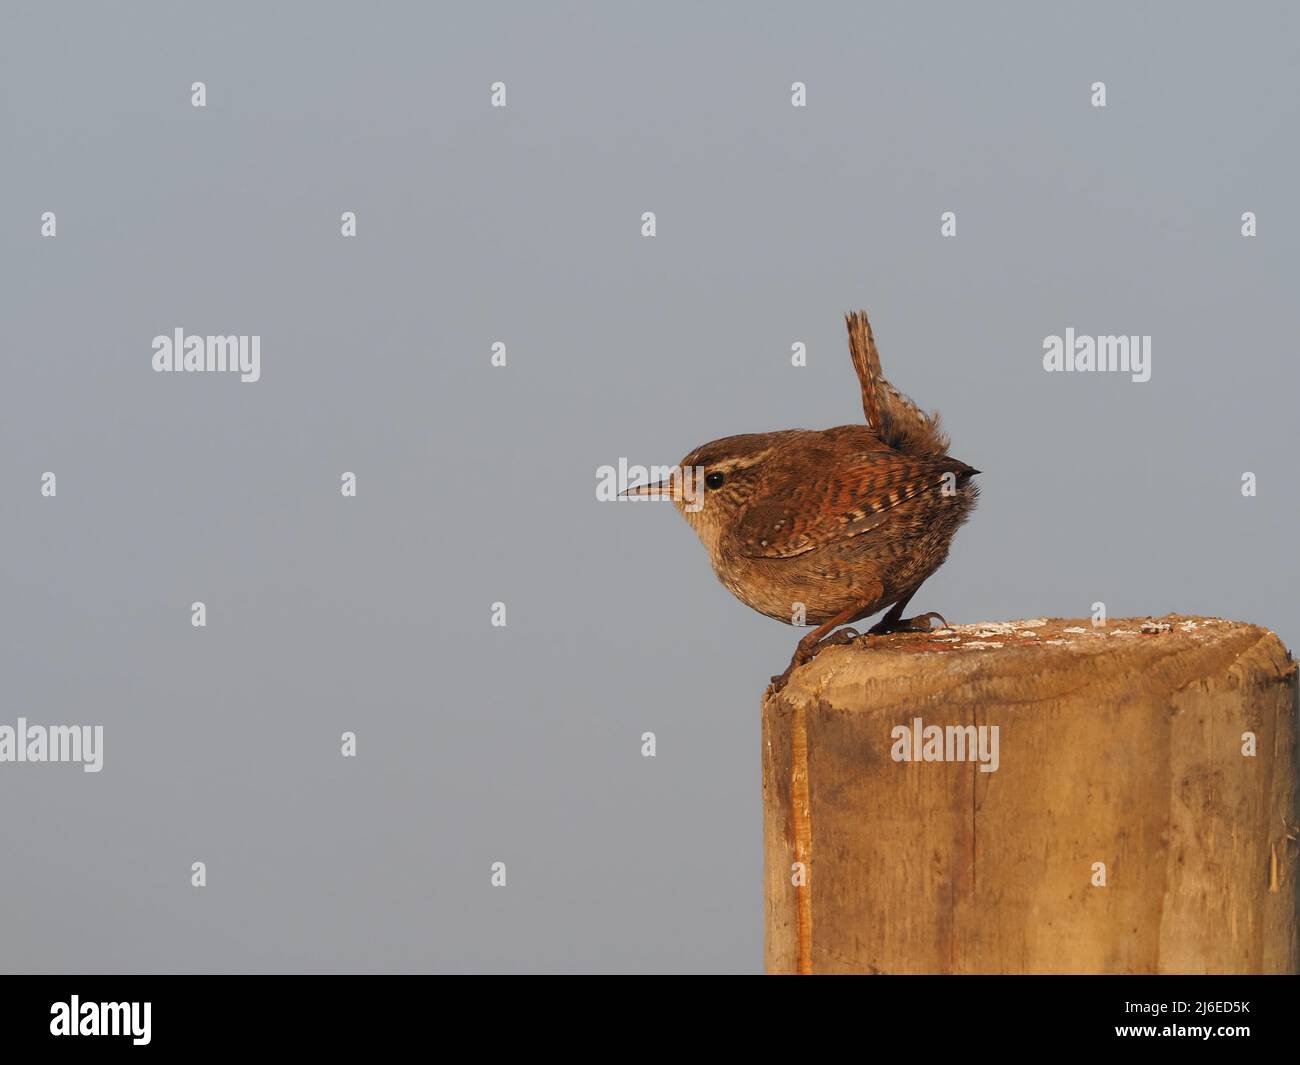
{"points": [[828, 527]]}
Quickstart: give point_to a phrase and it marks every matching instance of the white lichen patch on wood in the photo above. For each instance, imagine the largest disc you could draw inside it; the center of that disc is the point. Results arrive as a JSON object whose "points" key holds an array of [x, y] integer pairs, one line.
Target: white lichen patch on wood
{"points": [[1021, 637]]}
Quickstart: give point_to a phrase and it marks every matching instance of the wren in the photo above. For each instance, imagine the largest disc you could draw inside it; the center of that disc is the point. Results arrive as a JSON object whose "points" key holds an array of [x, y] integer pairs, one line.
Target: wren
{"points": [[829, 526]]}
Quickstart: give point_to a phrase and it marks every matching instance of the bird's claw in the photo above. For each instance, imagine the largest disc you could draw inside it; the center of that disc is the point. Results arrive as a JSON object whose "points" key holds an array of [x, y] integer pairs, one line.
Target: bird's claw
{"points": [[919, 623], [804, 655]]}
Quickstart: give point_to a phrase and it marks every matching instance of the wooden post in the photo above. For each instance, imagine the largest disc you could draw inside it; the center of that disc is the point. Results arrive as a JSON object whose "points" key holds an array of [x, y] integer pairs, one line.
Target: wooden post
{"points": [[1036, 797]]}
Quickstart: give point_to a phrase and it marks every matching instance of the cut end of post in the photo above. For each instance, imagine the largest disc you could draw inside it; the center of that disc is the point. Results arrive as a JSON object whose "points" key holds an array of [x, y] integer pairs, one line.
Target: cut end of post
{"points": [[1029, 641]]}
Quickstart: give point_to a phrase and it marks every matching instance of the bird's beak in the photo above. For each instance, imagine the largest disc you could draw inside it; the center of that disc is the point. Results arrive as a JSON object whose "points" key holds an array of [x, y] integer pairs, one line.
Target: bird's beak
{"points": [[681, 487], [669, 489]]}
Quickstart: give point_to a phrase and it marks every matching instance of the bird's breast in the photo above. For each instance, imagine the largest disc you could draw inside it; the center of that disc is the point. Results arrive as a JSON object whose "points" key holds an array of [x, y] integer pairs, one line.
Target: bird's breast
{"points": [[806, 589]]}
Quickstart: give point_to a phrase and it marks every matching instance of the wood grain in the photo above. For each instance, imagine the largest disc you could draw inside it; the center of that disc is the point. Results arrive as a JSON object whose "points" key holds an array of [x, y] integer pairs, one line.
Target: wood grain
{"points": [[1116, 746]]}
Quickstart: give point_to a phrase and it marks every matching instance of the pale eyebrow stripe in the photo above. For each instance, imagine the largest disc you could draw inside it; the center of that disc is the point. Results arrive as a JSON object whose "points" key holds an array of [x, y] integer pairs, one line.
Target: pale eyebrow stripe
{"points": [[727, 465]]}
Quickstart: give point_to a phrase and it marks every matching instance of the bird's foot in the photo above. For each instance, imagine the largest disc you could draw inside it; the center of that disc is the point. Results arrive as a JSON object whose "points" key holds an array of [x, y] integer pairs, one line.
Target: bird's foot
{"points": [[805, 653], [920, 623], [840, 636], [780, 680]]}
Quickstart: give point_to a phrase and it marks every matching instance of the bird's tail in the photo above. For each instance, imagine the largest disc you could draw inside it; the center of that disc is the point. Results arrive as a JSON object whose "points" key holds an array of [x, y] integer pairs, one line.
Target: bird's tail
{"points": [[898, 421]]}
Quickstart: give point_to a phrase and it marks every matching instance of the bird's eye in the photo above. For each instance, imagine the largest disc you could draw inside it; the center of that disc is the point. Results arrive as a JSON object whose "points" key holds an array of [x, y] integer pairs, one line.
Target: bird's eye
{"points": [[714, 480]]}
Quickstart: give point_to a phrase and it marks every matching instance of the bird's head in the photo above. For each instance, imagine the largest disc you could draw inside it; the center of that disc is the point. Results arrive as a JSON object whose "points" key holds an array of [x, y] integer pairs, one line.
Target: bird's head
{"points": [[712, 486]]}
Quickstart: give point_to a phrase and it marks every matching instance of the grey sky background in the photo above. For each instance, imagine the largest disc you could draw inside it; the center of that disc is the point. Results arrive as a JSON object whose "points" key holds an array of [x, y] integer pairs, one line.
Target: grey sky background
{"points": [[475, 484]]}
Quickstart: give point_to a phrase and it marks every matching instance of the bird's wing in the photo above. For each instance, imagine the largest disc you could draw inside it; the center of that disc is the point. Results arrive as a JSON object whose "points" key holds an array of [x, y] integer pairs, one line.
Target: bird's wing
{"points": [[898, 421], [802, 507]]}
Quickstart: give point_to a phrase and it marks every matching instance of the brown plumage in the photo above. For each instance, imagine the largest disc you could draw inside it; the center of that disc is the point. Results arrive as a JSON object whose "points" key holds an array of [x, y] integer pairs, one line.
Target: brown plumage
{"points": [[845, 521]]}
